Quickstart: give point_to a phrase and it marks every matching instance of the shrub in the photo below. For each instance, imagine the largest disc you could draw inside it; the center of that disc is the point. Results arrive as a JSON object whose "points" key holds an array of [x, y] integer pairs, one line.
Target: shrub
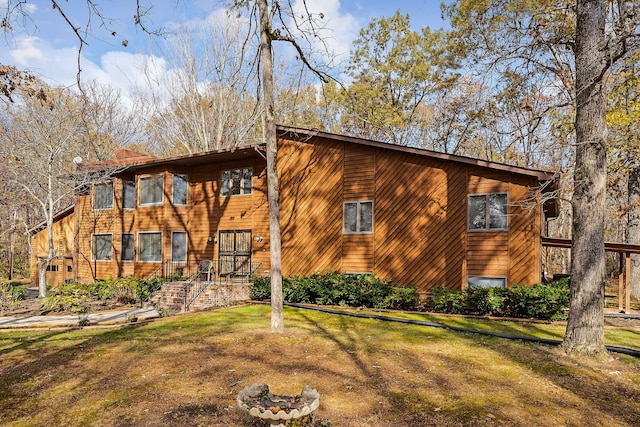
{"points": [[130, 290], [540, 301], [260, 289], [402, 298], [484, 301], [74, 297], [331, 288], [445, 300], [11, 294]]}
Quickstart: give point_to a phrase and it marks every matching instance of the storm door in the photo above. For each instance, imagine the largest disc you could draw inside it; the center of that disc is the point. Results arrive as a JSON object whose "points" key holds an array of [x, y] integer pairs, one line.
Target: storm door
{"points": [[234, 253]]}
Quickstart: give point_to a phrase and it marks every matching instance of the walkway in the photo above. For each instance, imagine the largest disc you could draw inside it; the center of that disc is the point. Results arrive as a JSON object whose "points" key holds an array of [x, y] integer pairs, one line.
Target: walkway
{"points": [[99, 318]]}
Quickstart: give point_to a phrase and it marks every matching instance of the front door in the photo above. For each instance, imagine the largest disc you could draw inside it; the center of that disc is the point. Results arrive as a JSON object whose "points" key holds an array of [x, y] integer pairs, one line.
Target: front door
{"points": [[234, 253]]}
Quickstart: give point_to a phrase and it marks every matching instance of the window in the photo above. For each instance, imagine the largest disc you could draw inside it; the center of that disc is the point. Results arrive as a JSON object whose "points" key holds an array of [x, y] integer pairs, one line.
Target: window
{"points": [[103, 196], [102, 247], [128, 194], [179, 246], [150, 246], [51, 267], [151, 190], [488, 211], [127, 252], [180, 189], [358, 217], [486, 282], [236, 181]]}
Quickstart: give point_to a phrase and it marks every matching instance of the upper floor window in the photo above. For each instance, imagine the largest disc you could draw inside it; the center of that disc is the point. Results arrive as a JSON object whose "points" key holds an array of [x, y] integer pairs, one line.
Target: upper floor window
{"points": [[358, 217], [103, 196], [102, 247], [180, 189], [488, 211], [128, 194], [151, 189], [236, 181]]}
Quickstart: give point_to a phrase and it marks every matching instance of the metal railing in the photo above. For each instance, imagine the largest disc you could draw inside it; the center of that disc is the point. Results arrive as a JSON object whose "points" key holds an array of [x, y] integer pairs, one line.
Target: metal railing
{"points": [[223, 273]]}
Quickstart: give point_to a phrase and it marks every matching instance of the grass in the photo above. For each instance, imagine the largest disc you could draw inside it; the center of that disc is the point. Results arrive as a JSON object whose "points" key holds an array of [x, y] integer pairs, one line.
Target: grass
{"points": [[188, 370]]}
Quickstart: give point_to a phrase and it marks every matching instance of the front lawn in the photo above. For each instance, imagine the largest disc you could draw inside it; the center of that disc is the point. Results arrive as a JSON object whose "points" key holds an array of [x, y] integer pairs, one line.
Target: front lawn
{"points": [[188, 370]]}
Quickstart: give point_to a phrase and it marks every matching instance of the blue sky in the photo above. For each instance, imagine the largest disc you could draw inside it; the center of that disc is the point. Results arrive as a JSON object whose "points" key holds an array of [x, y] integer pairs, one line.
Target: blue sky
{"points": [[47, 46]]}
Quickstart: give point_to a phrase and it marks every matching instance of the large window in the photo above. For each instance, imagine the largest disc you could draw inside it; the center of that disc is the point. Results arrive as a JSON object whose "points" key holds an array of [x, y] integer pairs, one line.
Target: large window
{"points": [[358, 217], [150, 246], [236, 181], [103, 196], [102, 247], [180, 189], [151, 190], [179, 246], [488, 211], [127, 252], [128, 194]]}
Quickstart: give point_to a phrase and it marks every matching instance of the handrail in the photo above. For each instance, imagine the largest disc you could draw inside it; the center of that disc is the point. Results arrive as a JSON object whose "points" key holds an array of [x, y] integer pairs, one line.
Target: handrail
{"points": [[201, 286]]}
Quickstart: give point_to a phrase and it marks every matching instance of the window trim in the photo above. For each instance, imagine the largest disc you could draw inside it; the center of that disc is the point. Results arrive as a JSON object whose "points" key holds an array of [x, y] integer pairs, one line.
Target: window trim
{"points": [[186, 245], [173, 189], [503, 278], [487, 213], [94, 194], [93, 247], [122, 247], [139, 251], [243, 191], [358, 203], [124, 186], [147, 176]]}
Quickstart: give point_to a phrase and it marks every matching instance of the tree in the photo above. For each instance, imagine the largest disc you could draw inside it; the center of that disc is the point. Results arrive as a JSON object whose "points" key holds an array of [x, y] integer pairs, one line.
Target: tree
{"points": [[277, 22], [394, 71], [568, 50], [206, 101], [41, 137]]}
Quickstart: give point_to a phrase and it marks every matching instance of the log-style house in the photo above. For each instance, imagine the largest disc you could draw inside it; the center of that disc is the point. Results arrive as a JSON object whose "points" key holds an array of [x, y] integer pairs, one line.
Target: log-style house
{"points": [[347, 204]]}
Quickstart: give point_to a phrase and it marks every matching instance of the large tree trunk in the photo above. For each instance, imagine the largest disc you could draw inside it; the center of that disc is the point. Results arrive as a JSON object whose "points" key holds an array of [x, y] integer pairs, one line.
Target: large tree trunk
{"points": [[271, 140], [585, 328], [633, 227]]}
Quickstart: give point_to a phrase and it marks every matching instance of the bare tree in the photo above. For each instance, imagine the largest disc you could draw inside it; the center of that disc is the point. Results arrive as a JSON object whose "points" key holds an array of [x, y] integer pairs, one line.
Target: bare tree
{"points": [[205, 101], [40, 139]]}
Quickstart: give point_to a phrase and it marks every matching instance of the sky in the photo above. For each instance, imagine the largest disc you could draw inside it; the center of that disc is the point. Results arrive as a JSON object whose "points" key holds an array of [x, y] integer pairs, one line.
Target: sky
{"points": [[41, 42]]}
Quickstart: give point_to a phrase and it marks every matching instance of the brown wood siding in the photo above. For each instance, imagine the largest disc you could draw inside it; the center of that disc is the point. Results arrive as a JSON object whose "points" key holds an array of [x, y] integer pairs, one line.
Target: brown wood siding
{"points": [[63, 235], [419, 232], [359, 185], [311, 196], [524, 237], [513, 254]]}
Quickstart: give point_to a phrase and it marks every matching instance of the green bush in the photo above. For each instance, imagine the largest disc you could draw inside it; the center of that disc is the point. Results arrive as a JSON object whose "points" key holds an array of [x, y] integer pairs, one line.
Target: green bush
{"points": [[484, 301], [260, 289], [540, 301], [11, 294], [331, 288], [74, 297], [445, 300], [129, 290]]}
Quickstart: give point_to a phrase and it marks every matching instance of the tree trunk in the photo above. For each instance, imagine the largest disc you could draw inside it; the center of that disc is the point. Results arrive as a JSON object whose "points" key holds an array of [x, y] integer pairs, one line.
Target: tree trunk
{"points": [[633, 227], [271, 140], [585, 328]]}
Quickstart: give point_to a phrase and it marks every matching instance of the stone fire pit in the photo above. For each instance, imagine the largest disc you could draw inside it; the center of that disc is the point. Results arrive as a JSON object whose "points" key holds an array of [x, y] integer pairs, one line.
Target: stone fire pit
{"points": [[259, 402]]}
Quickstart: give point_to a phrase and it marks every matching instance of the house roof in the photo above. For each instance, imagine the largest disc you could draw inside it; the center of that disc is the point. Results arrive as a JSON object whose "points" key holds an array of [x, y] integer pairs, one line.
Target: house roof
{"points": [[132, 161], [56, 217], [305, 134]]}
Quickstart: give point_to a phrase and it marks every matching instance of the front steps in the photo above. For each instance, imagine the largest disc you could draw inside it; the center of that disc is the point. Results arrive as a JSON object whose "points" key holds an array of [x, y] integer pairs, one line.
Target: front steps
{"points": [[174, 296]]}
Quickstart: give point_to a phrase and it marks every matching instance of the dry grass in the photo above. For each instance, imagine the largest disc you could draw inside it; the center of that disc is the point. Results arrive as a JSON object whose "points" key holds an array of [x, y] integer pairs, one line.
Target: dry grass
{"points": [[188, 370]]}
